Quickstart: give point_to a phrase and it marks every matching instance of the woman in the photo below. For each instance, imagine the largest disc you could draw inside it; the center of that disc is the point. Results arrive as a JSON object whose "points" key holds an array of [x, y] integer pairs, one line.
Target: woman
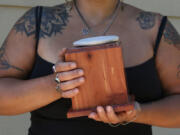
{"points": [[151, 52]]}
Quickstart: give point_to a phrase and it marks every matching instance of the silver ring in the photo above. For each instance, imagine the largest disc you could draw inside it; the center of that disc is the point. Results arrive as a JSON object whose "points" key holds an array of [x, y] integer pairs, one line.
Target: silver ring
{"points": [[58, 89], [57, 80], [54, 69]]}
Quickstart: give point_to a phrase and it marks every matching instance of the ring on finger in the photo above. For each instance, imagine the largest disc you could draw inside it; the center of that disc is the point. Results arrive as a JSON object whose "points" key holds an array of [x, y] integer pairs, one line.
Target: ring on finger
{"points": [[54, 69], [58, 89], [57, 80]]}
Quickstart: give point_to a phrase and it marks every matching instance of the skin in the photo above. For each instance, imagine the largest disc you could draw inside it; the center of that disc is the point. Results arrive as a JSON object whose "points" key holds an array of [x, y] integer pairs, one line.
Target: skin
{"points": [[54, 36], [70, 76], [4, 60], [95, 12]]}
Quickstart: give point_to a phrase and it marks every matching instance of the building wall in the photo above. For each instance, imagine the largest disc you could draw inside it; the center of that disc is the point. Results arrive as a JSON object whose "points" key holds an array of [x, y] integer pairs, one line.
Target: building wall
{"points": [[11, 10]]}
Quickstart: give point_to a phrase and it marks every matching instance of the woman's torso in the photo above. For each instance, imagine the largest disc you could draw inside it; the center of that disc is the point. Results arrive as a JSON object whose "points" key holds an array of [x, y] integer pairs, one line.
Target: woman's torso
{"points": [[60, 29]]}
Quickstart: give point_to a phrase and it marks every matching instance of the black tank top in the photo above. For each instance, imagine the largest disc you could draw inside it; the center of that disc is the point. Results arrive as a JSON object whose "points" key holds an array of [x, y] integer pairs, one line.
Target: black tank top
{"points": [[142, 81]]}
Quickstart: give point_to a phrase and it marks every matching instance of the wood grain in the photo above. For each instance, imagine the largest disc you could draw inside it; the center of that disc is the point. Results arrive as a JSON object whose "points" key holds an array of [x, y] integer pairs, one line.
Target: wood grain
{"points": [[104, 73]]}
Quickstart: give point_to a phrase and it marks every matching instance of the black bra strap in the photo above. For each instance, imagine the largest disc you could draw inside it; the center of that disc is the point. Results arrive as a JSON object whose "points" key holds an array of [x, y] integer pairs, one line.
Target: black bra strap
{"points": [[38, 24], [160, 33]]}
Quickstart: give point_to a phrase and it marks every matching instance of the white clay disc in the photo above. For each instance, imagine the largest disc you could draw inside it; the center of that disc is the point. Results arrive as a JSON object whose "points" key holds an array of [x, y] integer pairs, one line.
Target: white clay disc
{"points": [[96, 40]]}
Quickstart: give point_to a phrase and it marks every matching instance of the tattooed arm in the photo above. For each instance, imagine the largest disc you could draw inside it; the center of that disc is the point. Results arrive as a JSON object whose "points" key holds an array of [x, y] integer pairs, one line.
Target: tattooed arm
{"points": [[17, 46], [17, 56], [166, 112]]}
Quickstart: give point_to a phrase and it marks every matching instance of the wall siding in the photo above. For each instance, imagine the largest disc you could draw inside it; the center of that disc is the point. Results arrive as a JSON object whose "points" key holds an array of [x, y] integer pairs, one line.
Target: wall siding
{"points": [[164, 6], [10, 11]]}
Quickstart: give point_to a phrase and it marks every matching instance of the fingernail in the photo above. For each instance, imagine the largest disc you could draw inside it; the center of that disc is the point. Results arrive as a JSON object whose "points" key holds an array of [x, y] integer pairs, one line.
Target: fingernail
{"points": [[91, 115], [54, 69], [76, 90], [81, 80], [108, 108], [129, 112], [73, 65], [99, 109], [81, 72]]}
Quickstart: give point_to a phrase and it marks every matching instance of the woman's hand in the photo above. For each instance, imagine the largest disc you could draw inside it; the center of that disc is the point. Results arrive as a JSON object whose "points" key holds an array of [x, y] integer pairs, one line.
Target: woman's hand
{"points": [[107, 115], [69, 75]]}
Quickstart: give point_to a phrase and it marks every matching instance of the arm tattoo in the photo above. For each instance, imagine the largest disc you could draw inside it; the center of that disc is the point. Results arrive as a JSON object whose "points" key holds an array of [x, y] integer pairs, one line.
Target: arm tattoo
{"points": [[171, 35], [178, 73], [146, 20], [53, 20], [4, 65], [27, 23]]}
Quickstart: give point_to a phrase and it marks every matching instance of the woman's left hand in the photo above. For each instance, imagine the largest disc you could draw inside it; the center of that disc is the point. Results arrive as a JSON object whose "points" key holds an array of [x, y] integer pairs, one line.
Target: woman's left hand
{"points": [[108, 115]]}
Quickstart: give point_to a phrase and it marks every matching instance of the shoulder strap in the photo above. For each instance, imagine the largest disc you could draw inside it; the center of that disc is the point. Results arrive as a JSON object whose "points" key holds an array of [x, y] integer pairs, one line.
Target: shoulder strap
{"points": [[160, 33], [38, 24]]}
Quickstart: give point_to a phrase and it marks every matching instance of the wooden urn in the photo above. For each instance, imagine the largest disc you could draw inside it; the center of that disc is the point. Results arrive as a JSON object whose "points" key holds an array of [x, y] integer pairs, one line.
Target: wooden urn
{"points": [[105, 80]]}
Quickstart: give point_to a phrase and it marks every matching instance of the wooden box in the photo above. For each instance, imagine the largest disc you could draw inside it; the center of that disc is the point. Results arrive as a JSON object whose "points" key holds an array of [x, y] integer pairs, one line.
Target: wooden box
{"points": [[105, 79]]}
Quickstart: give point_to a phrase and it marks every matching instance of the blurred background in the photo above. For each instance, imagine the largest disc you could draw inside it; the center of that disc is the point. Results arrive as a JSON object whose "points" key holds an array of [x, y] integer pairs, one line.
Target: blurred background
{"points": [[11, 10]]}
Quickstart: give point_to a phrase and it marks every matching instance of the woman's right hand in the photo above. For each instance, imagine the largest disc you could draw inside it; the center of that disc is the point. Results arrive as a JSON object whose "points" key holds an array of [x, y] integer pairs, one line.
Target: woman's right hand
{"points": [[69, 75]]}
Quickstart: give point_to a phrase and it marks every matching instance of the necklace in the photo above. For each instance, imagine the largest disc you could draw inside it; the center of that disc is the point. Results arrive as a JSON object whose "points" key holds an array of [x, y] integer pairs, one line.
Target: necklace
{"points": [[88, 29]]}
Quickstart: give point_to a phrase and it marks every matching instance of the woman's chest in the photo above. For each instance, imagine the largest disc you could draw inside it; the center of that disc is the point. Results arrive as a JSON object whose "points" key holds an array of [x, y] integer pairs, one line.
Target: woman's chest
{"points": [[136, 48], [141, 75]]}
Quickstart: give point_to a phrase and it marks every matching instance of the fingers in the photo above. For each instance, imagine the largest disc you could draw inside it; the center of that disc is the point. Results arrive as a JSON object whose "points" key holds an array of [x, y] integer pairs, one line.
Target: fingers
{"points": [[113, 118], [70, 93], [109, 116], [131, 115], [122, 117], [61, 66], [62, 53], [102, 114], [69, 89], [65, 66], [68, 77], [94, 116], [128, 116], [71, 84], [65, 76]]}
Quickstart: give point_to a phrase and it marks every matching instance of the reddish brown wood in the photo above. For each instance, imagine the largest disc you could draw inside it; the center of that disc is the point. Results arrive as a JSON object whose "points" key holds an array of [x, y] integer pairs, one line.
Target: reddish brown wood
{"points": [[85, 112], [105, 78]]}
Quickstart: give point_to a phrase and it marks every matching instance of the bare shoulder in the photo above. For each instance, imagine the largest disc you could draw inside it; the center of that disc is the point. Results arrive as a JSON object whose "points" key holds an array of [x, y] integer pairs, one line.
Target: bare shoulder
{"points": [[168, 53], [18, 46], [54, 20], [147, 21], [27, 23], [138, 13]]}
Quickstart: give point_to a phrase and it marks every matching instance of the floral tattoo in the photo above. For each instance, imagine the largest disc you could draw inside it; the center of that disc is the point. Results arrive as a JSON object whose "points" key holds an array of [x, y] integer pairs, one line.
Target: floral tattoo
{"points": [[4, 64], [146, 20], [53, 21], [171, 35], [27, 23]]}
